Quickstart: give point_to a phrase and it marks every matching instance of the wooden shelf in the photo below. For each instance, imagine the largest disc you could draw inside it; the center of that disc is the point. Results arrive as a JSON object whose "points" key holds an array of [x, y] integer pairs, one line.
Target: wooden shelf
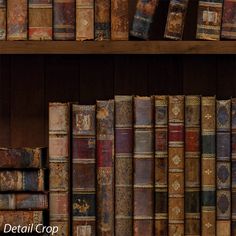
{"points": [[118, 47]]}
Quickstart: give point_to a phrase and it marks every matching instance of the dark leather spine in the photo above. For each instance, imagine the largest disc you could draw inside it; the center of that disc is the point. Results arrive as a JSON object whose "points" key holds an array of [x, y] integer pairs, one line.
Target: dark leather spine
{"points": [[3, 19]]}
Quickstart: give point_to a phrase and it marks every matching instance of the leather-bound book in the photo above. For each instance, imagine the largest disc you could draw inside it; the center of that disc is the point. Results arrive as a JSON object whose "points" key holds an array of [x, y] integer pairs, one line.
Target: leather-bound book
{"points": [[84, 170], [208, 162], [3, 19], [64, 19], [209, 19], [17, 22], [124, 165], [192, 165], [102, 19], [40, 19], [161, 159], [84, 20], [223, 168], [59, 159], [105, 167], [176, 19], [143, 166], [176, 165], [143, 18]]}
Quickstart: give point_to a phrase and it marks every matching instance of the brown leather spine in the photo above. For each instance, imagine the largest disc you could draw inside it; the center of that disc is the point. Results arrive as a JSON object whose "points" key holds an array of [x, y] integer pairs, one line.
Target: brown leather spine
{"points": [[3, 19]]}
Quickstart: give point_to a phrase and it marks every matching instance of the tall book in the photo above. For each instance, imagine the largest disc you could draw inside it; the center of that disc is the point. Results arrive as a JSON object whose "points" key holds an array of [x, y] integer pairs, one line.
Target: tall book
{"points": [[176, 19], [105, 167], [176, 165], [123, 165], [192, 165], [17, 23], [161, 165], [40, 19], [84, 20], [143, 18], [3, 19], [59, 159], [223, 168], [64, 19], [143, 188], [208, 171], [209, 19], [84, 170]]}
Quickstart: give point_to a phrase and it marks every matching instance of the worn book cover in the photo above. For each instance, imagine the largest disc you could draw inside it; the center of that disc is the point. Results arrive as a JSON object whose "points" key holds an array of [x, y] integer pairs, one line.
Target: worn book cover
{"points": [[3, 19]]}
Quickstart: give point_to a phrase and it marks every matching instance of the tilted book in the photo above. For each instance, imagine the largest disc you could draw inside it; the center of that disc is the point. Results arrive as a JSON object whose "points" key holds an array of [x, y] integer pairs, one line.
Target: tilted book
{"points": [[84, 170], [3, 19]]}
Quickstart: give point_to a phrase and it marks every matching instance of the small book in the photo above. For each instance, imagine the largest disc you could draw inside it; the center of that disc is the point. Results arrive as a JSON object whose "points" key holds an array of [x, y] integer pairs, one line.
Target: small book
{"points": [[3, 19]]}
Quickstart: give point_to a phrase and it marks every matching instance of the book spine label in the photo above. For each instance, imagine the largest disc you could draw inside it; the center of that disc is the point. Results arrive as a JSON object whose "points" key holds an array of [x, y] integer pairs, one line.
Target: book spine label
{"points": [[83, 167], [64, 19], [143, 188], [40, 19], [105, 167], [3, 19], [208, 188], [84, 20], [192, 166], [124, 167], [161, 157], [17, 19]]}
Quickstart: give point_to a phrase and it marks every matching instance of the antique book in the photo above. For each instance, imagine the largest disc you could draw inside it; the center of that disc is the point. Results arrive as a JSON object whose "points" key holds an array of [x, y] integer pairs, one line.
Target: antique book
{"points": [[176, 165], [124, 165], [143, 189], [120, 20], [208, 161], [209, 19], [16, 180], [3, 19], [40, 19], [84, 170], [59, 169], [64, 19], [192, 165], [105, 167], [17, 19], [143, 18], [176, 19], [84, 20], [223, 167], [161, 159]]}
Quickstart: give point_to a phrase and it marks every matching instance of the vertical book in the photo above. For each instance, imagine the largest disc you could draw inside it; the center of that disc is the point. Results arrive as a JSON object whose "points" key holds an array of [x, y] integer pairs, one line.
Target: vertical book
{"points": [[3, 16]]}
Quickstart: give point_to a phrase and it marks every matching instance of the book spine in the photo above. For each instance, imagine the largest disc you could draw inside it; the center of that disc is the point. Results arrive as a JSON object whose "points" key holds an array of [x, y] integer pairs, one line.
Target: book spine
{"points": [[192, 166], [143, 18], [223, 167], [105, 167], [161, 158], [208, 161], [209, 19], [124, 165], [176, 165], [64, 19], [143, 188], [3, 19], [84, 20], [17, 19], [40, 19], [83, 169], [59, 154], [176, 19]]}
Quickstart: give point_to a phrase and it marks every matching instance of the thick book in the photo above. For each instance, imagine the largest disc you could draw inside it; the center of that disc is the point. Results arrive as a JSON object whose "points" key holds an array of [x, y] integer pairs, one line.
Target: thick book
{"points": [[176, 165], [64, 19], [124, 165], [208, 170], [176, 19], [105, 167], [84, 169], [209, 19], [192, 165], [40, 19], [161, 164], [223, 167], [143, 189], [17, 19], [143, 18], [3, 19]]}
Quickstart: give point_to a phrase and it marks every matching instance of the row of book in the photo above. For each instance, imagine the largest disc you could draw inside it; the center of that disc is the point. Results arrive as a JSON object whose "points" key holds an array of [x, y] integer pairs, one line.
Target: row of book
{"points": [[109, 19]]}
